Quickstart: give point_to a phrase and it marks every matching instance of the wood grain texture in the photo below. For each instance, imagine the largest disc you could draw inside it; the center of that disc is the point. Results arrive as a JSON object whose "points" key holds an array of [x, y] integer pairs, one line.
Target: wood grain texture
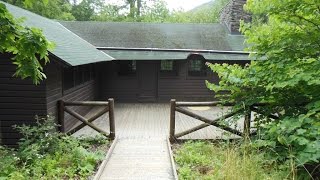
{"points": [[20, 101], [54, 92], [151, 120], [139, 159]]}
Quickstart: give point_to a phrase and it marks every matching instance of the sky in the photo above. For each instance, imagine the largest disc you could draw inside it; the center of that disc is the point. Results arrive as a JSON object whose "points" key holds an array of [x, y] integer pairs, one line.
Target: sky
{"points": [[174, 4], [184, 4]]}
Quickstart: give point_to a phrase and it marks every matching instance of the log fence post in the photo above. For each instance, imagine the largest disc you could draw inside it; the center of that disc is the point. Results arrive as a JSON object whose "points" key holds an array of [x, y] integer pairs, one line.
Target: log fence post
{"points": [[111, 118], [172, 120], [246, 126], [61, 116]]}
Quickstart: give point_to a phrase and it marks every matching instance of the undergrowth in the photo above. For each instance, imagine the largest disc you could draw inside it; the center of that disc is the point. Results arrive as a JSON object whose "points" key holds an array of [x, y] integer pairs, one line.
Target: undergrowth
{"points": [[231, 161], [44, 153]]}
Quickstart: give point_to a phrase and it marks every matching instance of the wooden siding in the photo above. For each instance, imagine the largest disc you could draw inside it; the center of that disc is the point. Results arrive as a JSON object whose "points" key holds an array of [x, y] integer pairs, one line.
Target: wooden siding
{"points": [[20, 101], [184, 87], [54, 92], [121, 88], [180, 86]]}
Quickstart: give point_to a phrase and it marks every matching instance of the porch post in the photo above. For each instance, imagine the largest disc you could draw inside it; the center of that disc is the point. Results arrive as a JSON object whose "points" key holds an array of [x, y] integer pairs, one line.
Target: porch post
{"points": [[61, 116], [111, 118], [172, 120], [246, 126]]}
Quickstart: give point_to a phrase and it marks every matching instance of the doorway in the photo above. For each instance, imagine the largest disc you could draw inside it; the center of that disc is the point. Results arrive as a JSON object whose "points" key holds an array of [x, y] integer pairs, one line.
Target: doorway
{"points": [[148, 81]]}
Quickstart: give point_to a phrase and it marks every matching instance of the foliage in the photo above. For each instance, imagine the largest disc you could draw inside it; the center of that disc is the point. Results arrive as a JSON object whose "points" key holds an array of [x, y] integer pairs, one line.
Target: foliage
{"points": [[85, 10], [284, 36], [28, 46], [44, 153], [205, 160], [123, 11], [158, 12], [207, 14], [53, 9]]}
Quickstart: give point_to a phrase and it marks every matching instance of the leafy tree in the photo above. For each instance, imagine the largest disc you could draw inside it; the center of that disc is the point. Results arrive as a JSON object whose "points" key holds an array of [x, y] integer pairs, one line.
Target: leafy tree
{"points": [[53, 9], [284, 41], [28, 46], [84, 10], [156, 12], [208, 13], [109, 13]]}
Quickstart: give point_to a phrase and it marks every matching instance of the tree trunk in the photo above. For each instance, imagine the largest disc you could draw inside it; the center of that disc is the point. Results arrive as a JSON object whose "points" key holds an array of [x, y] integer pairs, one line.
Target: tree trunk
{"points": [[132, 4], [138, 8]]}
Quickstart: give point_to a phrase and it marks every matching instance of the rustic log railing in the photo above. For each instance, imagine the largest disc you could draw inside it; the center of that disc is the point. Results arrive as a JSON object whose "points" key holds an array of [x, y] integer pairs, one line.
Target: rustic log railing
{"points": [[108, 108], [177, 106]]}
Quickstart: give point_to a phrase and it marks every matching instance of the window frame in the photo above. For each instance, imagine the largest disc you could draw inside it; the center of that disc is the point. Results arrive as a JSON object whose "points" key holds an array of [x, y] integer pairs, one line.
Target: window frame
{"points": [[203, 72], [81, 75], [172, 72]]}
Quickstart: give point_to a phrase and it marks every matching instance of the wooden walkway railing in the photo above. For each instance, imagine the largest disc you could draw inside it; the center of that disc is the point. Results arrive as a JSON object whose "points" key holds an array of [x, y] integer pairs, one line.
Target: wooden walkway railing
{"points": [[108, 108], [178, 106]]}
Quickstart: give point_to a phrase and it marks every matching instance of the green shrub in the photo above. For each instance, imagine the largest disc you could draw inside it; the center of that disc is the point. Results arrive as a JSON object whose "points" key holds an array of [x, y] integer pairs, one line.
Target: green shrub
{"points": [[44, 153]]}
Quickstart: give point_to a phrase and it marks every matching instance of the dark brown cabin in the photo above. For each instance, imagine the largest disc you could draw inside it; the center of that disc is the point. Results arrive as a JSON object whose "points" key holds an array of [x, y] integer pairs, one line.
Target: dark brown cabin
{"points": [[148, 62], [71, 75], [155, 62]]}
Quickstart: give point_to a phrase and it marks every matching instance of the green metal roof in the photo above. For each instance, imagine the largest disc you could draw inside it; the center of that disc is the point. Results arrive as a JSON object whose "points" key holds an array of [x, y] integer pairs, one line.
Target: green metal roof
{"points": [[157, 35], [70, 48], [167, 55]]}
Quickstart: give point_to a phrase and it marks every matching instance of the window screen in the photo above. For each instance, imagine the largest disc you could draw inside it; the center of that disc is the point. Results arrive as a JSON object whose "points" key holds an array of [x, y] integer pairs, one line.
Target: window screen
{"points": [[196, 66], [168, 68]]}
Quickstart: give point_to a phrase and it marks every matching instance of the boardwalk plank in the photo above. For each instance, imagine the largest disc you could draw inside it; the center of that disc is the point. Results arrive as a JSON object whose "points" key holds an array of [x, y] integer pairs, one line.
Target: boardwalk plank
{"points": [[141, 151]]}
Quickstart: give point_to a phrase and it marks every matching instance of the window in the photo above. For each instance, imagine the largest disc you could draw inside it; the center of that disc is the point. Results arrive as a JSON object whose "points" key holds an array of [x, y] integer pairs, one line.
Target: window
{"points": [[126, 68], [196, 65], [78, 75], [68, 78], [168, 68]]}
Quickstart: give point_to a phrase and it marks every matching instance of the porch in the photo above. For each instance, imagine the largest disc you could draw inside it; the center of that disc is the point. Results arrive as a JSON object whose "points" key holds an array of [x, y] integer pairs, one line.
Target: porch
{"points": [[151, 120]]}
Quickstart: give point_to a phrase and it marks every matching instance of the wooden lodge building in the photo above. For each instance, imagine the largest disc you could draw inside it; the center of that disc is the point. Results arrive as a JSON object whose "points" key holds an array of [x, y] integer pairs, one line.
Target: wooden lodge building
{"points": [[130, 62]]}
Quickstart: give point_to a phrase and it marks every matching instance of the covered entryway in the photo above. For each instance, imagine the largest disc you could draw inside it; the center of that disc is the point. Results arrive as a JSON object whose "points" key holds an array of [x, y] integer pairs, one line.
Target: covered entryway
{"points": [[147, 80]]}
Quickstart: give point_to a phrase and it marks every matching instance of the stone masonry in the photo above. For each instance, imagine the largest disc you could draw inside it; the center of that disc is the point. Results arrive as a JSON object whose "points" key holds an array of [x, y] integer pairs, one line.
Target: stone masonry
{"points": [[231, 15]]}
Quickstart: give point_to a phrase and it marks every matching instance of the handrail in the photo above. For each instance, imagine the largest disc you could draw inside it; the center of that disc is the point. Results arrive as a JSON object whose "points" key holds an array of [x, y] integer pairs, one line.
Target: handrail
{"points": [[177, 106], [109, 108]]}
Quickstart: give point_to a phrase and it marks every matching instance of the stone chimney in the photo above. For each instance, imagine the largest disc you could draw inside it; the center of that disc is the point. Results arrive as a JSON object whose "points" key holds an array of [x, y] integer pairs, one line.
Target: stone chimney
{"points": [[231, 15]]}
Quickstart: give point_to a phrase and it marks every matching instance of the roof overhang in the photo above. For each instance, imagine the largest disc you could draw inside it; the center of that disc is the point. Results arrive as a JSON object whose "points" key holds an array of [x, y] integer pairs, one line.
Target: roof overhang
{"points": [[121, 53], [69, 48]]}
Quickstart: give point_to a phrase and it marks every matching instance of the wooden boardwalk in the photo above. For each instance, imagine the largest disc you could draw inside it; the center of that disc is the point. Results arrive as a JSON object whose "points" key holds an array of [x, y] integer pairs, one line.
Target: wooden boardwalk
{"points": [[142, 151], [139, 159]]}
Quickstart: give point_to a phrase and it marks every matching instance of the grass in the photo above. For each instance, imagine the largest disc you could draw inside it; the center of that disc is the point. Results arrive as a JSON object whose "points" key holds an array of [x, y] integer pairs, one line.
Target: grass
{"points": [[227, 161]]}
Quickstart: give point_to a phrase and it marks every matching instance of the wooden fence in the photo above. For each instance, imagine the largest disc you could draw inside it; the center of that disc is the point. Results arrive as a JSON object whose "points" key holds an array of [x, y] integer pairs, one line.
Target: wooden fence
{"points": [[108, 108], [178, 106]]}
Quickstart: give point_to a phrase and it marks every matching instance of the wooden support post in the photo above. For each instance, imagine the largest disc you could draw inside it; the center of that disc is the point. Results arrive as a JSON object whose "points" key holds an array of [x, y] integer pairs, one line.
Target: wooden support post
{"points": [[111, 118], [172, 120], [61, 116], [246, 126]]}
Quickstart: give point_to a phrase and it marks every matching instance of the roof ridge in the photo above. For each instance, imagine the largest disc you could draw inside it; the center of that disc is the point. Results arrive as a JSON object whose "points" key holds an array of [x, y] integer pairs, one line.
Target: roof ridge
{"points": [[117, 22]]}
